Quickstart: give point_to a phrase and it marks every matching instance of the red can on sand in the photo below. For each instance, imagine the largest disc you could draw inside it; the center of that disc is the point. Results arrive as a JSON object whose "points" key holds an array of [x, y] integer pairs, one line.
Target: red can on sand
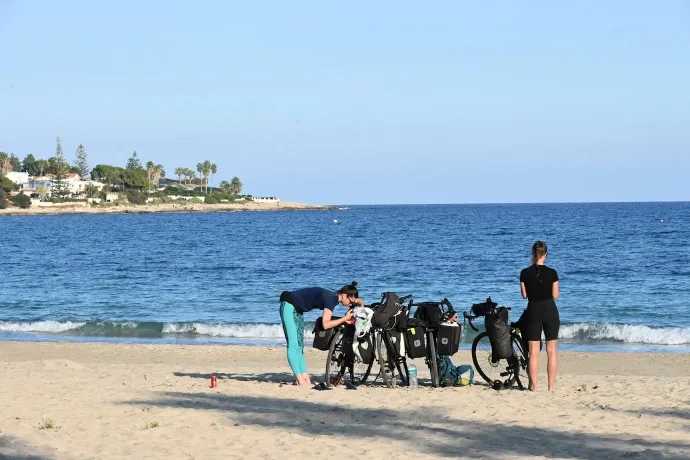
{"points": [[214, 381]]}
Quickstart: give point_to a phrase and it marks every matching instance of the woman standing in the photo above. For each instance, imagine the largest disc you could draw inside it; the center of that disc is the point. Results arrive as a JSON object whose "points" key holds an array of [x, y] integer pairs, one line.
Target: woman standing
{"points": [[539, 284], [293, 305]]}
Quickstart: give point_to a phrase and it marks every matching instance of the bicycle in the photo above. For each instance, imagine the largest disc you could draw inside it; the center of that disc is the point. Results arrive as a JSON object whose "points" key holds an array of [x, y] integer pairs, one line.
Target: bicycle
{"points": [[504, 371], [341, 359], [386, 346], [432, 314]]}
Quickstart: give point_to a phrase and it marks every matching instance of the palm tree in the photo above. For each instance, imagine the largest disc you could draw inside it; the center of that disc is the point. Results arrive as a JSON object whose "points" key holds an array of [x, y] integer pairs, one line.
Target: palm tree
{"points": [[214, 170], [179, 172], [225, 186], [150, 168], [200, 170], [158, 172], [5, 163], [236, 185], [206, 169], [42, 166], [90, 190]]}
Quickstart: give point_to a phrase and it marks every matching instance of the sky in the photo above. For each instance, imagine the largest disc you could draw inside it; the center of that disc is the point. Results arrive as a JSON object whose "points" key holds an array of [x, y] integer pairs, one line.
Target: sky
{"points": [[361, 102]]}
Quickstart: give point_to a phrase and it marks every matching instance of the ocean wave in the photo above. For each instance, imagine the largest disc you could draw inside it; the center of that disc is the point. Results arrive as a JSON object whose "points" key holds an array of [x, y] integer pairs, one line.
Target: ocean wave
{"points": [[151, 329], [232, 330], [38, 326], [586, 333], [626, 333]]}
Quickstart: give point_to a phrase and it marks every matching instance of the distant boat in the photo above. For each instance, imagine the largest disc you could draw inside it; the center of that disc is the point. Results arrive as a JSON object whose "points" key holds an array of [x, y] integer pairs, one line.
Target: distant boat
{"points": [[336, 221]]}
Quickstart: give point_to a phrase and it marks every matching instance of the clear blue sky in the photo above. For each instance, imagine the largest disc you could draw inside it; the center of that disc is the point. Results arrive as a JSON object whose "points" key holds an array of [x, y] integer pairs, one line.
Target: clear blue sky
{"points": [[363, 102]]}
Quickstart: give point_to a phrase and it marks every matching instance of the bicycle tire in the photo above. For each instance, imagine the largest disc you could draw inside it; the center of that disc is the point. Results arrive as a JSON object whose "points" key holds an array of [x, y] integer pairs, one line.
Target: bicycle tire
{"points": [[478, 366], [340, 361], [432, 361], [363, 379], [400, 361], [521, 361]]}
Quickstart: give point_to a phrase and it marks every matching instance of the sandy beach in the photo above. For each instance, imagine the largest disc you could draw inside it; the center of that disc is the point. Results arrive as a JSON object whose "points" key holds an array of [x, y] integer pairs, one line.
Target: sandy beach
{"points": [[81, 208], [113, 401]]}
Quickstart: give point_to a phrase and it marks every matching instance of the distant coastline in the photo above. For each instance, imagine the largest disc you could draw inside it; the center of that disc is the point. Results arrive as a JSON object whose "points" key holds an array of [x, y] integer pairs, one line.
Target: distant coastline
{"points": [[178, 207]]}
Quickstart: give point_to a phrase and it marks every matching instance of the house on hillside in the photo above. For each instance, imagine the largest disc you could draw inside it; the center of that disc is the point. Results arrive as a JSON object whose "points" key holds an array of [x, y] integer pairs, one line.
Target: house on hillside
{"points": [[17, 177]]}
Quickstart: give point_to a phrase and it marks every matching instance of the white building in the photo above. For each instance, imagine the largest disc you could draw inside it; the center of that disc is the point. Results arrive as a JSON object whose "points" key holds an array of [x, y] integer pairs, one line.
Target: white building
{"points": [[265, 199], [72, 183], [18, 177]]}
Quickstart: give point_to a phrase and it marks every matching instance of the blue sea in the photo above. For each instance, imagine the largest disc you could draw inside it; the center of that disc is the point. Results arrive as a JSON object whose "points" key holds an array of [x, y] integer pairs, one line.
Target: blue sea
{"points": [[216, 277]]}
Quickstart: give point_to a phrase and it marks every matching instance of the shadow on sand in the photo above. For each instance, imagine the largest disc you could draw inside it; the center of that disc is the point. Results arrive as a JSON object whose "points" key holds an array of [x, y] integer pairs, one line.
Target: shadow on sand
{"points": [[428, 431]]}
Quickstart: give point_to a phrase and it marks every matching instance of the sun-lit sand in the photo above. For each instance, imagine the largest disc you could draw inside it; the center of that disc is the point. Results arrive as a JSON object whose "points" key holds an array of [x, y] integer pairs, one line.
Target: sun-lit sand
{"points": [[103, 401]]}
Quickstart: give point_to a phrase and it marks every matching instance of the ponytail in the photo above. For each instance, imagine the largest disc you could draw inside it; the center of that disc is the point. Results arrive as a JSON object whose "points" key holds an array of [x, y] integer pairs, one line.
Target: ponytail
{"points": [[350, 290], [539, 250]]}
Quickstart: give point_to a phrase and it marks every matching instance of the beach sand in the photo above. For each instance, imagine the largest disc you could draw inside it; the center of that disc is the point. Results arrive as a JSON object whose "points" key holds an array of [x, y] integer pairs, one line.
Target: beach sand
{"points": [[114, 401], [82, 208]]}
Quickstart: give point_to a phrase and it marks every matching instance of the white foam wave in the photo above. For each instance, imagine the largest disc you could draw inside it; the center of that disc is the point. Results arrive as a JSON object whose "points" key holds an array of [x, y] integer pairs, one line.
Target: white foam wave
{"points": [[39, 326], [626, 333], [242, 331]]}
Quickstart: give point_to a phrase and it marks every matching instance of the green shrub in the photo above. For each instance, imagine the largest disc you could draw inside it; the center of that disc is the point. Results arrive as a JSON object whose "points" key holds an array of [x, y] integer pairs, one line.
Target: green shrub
{"points": [[6, 184], [136, 197], [3, 200], [22, 201], [195, 200], [210, 199]]}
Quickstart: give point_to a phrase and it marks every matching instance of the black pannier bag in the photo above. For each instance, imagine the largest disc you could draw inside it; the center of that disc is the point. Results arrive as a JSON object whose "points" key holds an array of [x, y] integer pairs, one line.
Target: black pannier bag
{"points": [[448, 340], [498, 328], [482, 309], [390, 306], [322, 337], [397, 342], [415, 342], [365, 347]]}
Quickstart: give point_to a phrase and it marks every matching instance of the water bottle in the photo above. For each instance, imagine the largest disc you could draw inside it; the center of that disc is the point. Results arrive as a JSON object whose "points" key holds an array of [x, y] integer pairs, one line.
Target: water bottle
{"points": [[412, 376]]}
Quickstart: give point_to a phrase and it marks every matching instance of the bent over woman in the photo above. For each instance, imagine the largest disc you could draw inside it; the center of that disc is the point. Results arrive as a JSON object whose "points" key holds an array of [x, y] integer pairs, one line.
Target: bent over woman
{"points": [[539, 284], [293, 305]]}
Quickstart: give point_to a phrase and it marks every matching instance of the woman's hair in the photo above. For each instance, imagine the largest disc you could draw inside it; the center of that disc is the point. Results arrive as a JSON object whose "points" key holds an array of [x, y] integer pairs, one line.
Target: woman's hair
{"points": [[539, 250], [350, 290]]}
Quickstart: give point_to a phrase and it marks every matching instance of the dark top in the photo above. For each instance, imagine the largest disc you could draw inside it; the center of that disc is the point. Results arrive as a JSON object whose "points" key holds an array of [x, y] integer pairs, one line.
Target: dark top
{"points": [[539, 282], [312, 298]]}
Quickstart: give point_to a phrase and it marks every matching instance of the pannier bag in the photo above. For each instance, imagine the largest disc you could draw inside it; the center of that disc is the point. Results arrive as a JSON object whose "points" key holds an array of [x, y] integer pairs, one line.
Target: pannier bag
{"points": [[448, 340], [364, 349], [397, 342], [390, 306], [322, 337], [482, 309], [415, 342], [498, 328]]}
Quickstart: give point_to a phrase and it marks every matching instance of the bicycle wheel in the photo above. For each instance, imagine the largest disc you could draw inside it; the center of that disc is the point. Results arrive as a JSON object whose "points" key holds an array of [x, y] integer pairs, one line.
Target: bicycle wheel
{"points": [[359, 371], [394, 359], [432, 361], [482, 356], [335, 365], [388, 365], [522, 371]]}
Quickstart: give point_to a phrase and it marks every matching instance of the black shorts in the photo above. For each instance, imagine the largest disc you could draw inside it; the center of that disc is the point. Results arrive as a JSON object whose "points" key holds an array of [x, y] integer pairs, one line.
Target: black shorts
{"points": [[541, 315]]}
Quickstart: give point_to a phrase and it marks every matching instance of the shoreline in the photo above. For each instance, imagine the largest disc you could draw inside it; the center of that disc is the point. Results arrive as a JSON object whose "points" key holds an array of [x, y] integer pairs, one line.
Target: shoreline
{"points": [[234, 342], [83, 208], [113, 401]]}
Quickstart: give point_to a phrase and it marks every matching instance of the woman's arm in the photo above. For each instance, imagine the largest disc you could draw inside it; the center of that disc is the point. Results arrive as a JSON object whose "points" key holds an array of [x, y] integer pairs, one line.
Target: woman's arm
{"points": [[523, 290], [328, 323], [554, 290]]}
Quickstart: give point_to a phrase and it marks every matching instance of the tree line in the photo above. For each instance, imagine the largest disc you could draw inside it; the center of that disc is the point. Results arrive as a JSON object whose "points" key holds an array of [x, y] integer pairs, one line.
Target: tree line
{"points": [[134, 175]]}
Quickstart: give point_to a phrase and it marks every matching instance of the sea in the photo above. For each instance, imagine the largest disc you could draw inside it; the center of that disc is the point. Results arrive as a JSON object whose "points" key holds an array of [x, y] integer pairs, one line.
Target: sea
{"points": [[215, 278]]}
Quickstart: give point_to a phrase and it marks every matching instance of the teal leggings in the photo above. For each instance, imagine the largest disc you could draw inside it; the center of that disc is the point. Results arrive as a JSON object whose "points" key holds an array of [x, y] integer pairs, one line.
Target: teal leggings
{"points": [[293, 327]]}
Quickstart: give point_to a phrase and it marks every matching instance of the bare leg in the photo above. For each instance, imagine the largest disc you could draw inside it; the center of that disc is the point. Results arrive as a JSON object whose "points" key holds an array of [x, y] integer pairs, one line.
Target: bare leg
{"points": [[552, 366], [533, 365]]}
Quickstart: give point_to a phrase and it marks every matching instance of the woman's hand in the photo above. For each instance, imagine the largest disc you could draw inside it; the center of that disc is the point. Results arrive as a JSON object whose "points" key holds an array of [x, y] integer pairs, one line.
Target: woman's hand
{"points": [[349, 317]]}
